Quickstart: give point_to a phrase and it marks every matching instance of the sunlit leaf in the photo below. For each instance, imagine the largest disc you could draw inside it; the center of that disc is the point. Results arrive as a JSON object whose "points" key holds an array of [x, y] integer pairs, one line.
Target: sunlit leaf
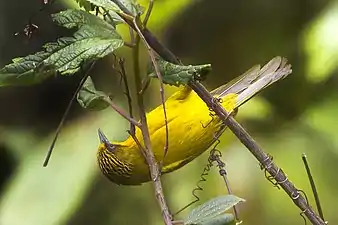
{"points": [[107, 4], [224, 219], [212, 208], [89, 98], [118, 5], [177, 74], [94, 39], [26, 70]]}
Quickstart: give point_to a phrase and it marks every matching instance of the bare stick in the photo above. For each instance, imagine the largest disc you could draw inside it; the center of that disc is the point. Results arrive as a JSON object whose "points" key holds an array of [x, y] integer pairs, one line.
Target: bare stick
{"points": [[150, 8], [153, 167], [159, 76], [127, 93], [222, 170], [313, 187], [223, 173], [58, 129], [123, 114], [227, 184]]}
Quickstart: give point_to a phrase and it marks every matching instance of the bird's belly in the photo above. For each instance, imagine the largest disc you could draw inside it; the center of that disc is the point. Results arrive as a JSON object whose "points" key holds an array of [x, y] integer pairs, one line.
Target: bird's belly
{"points": [[189, 137], [190, 134]]}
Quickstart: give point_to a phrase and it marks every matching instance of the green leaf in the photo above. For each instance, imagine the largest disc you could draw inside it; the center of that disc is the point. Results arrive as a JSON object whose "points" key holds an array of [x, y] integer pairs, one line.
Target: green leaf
{"points": [[224, 219], [89, 98], [179, 75], [27, 70], [211, 209], [73, 18], [107, 4], [94, 39], [117, 5]]}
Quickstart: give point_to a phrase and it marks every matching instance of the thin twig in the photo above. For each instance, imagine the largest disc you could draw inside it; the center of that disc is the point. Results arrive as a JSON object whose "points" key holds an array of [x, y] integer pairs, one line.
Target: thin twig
{"points": [[127, 93], [222, 170], [145, 82], [159, 76], [58, 130], [313, 186], [153, 167], [223, 173], [227, 184], [150, 8], [123, 114], [221, 166]]}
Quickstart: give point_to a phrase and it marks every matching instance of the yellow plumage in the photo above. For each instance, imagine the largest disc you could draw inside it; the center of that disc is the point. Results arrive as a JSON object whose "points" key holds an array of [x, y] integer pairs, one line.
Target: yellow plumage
{"points": [[191, 128]]}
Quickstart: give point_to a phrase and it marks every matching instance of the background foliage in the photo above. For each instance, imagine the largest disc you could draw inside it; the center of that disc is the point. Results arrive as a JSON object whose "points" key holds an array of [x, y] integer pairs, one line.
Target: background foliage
{"points": [[294, 116]]}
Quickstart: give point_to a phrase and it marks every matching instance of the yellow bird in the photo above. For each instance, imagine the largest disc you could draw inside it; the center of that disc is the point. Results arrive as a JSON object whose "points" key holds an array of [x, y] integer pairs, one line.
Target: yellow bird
{"points": [[191, 128]]}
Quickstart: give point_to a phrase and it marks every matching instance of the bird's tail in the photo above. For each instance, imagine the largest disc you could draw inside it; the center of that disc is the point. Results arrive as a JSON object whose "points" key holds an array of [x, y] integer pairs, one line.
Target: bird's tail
{"points": [[254, 80]]}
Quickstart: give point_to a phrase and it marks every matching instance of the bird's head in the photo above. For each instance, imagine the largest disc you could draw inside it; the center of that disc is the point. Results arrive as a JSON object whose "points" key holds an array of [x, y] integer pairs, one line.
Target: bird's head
{"points": [[112, 163]]}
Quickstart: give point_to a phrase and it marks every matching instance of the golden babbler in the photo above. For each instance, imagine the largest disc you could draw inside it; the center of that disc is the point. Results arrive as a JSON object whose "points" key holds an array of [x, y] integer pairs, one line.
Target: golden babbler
{"points": [[123, 162]]}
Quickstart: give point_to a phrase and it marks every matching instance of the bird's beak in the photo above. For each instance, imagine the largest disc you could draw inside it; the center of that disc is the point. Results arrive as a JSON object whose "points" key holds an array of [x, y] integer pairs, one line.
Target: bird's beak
{"points": [[104, 140]]}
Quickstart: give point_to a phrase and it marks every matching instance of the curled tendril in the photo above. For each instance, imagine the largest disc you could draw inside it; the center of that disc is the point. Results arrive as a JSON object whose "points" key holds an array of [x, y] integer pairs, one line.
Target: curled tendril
{"points": [[215, 156]]}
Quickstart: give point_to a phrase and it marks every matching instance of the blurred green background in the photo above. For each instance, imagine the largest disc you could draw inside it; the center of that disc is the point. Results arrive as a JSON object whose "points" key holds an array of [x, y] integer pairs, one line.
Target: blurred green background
{"points": [[294, 116]]}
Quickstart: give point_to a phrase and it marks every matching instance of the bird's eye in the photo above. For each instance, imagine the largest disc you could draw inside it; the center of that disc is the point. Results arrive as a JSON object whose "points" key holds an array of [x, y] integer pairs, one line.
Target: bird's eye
{"points": [[110, 147]]}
